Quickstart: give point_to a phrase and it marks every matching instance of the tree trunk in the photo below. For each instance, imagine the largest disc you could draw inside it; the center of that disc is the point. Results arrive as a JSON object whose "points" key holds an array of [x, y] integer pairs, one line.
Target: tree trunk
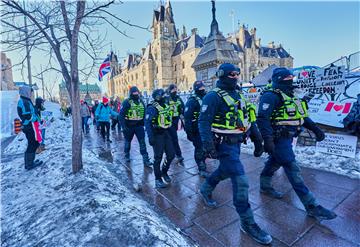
{"points": [[77, 164]]}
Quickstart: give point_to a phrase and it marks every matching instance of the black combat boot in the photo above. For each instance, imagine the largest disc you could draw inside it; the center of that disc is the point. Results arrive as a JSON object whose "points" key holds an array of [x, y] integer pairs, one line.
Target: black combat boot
{"points": [[166, 178], [267, 189], [256, 233], [159, 184], [320, 212], [205, 192]]}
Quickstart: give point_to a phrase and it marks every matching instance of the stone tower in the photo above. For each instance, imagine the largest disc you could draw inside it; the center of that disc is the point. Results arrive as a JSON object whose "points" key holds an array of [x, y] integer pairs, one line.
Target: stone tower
{"points": [[163, 44]]}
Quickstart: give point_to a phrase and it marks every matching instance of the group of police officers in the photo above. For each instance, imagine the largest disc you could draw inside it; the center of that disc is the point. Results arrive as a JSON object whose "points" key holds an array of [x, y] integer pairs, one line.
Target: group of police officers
{"points": [[217, 123]]}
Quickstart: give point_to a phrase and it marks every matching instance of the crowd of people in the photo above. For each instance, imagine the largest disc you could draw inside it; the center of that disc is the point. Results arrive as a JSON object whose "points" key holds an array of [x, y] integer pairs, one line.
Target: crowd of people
{"points": [[217, 123]]}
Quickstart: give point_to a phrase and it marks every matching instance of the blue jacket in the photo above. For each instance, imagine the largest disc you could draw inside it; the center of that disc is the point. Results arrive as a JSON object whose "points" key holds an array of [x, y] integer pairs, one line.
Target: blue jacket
{"points": [[103, 113], [150, 114], [25, 107], [124, 110], [269, 102], [212, 104]]}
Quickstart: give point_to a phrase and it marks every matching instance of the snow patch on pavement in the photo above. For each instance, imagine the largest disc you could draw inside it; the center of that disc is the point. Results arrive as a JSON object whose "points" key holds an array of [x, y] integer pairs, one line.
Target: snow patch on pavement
{"points": [[50, 206]]}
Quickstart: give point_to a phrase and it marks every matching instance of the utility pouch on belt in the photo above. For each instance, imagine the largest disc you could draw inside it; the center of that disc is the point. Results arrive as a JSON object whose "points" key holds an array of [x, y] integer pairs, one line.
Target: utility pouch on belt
{"points": [[228, 139]]}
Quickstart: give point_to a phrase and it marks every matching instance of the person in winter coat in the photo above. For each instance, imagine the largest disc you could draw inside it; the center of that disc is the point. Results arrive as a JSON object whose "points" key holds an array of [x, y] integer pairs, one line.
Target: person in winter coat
{"points": [[116, 108], [102, 115], [39, 107], [30, 120], [352, 120], [93, 110], [85, 113]]}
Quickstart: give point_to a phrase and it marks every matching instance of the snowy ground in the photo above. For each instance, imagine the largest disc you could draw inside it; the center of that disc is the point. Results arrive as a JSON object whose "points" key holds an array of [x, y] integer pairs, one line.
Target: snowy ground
{"points": [[308, 157], [49, 206]]}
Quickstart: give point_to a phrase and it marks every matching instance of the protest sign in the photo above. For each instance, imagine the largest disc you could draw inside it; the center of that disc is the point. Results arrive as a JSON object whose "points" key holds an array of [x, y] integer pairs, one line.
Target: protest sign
{"points": [[329, 80], [252, 94], [46, 117], [341, 145], [330, 113]]}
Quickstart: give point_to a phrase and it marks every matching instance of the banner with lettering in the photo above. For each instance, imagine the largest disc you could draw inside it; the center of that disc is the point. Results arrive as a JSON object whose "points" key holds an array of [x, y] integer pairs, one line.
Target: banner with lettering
{"points": [[330, 113], [342, 145], [329, 80]]}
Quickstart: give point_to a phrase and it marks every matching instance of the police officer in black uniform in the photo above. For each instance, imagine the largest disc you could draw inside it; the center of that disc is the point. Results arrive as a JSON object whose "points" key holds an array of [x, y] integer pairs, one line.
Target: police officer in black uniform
{"points": [[223, 123], [158, 122], [131, 118], [191, 116], [177, 106], [281, 117]]}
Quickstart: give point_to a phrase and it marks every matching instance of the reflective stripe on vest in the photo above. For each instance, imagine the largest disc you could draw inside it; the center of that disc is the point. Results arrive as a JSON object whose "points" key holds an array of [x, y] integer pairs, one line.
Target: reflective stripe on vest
{"points": [[164, 119], [174, 105], [136, 111], [291, 113], [234, 121]]}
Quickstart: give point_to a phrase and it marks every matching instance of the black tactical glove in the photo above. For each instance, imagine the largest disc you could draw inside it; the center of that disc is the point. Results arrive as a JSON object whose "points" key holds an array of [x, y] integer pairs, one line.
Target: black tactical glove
{"points": [[210, 151], [259, 149], [320, 135], [269, 144]]}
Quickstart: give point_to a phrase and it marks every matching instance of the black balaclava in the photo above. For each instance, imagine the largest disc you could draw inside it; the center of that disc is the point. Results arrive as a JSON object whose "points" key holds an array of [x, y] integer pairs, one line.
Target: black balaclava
{"points": [[199, 92], [133, 90], [278, 82], [172, 94], [224, 81], [158, 95]]}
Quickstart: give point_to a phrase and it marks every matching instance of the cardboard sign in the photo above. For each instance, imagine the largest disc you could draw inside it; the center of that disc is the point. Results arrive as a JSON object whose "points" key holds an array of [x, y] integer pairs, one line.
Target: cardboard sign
{"points": [[252, 94], [341, 145], [330, 113], [329, 80]]}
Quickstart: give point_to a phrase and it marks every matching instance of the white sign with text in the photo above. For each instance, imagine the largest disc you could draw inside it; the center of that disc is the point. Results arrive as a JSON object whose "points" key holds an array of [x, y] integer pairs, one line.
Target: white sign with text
{"points": [[341, 145]]}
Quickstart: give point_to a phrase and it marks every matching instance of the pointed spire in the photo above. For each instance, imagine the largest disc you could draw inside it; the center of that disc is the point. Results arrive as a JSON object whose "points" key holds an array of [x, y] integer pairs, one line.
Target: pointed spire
{"points": [[169, 13], [214, 24]]}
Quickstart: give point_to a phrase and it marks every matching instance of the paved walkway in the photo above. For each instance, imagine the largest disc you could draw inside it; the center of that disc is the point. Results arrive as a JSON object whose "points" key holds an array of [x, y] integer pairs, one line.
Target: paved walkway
{"points": [[284, 219]]}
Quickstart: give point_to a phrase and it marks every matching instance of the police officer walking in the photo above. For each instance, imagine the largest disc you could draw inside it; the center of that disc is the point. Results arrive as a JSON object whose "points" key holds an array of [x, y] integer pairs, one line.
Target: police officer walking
{"points": [[282, 116], [177, 106], [158, 122], [191, 116], [131, 118], [27, 114], [223, 122]]}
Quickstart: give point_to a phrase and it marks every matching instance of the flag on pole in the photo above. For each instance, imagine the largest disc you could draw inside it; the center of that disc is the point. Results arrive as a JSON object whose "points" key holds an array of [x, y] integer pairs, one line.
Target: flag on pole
{"points": [[104, 68]]}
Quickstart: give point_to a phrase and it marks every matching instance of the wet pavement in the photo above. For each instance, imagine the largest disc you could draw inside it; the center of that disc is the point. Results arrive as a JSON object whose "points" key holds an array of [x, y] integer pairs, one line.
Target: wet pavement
{"points": [[284, 219]]}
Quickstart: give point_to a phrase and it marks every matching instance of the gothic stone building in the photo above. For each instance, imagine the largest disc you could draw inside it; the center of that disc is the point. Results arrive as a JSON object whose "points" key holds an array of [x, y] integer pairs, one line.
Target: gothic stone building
{"points": [[169, 57]]}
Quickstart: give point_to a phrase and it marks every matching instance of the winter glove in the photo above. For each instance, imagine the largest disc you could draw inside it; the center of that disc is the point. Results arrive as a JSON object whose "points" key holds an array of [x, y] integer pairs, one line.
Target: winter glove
{"points": [[210, 151], [259, 149], [269, 145], [320, 135]]}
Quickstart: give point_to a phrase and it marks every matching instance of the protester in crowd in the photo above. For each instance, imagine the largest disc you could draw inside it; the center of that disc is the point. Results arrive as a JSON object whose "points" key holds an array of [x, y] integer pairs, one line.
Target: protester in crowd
{"points": [[85, 113], [39, 107], [30, 126], [102, 115], [93, 110], [116, 108]]}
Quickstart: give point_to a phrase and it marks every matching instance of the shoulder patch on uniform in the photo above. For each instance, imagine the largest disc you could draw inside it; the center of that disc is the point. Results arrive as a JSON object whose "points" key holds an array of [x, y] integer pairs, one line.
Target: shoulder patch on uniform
{"points": [[204, 108], [265, 106], [186, 108], [147, 116]]}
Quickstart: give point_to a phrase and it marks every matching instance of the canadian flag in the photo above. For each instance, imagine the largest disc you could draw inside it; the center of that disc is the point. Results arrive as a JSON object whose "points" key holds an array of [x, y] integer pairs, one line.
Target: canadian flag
{"points": [[338, 107]]}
